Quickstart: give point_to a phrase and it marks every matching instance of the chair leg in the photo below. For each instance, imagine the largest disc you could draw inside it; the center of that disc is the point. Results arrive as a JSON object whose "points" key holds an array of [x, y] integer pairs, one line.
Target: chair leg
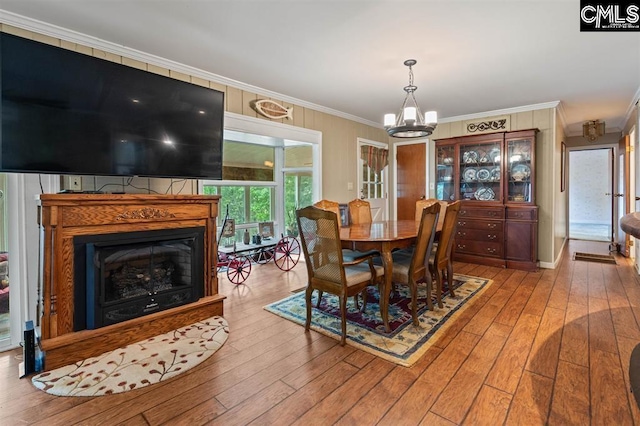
{"points": [[343, 318], [319, 298], [413, 286], [364, 300], [439, 288], [450, 279], [307, 296], [429, 283]]}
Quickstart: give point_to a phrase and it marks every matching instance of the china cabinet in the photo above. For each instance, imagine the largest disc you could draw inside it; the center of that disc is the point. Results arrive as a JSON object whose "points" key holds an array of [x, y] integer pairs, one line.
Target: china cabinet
{"points": [[494, 177]]}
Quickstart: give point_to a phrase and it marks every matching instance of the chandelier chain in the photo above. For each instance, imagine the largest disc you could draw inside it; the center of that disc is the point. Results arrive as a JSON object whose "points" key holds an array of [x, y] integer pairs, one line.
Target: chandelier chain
{"points": [[410, 76]]}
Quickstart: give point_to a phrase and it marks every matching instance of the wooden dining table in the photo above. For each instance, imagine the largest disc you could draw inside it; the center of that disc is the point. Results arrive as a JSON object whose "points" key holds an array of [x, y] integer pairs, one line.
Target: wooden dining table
{"points": [[383, 236]]}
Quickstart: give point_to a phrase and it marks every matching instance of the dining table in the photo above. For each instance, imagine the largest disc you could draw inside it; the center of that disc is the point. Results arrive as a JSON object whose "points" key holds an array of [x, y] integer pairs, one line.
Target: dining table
{"points": [[383, 236]]}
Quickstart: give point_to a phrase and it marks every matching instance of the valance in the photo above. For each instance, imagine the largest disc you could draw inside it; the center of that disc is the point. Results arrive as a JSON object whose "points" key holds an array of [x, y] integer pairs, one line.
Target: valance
{"points": [[374, 157]]}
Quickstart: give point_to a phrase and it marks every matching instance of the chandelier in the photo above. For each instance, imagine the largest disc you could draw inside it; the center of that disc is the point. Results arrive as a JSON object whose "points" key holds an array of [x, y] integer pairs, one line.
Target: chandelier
{"points": [[592, 130], [411, 123]]}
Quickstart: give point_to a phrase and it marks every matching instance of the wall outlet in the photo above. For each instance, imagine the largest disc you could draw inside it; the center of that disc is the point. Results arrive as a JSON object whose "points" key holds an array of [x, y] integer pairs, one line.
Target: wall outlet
{"points": [[74, 183], [349, 186]]}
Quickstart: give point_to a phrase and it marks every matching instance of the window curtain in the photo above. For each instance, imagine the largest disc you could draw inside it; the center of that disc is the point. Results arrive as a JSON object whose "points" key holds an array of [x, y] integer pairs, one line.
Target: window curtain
{"points": [[374, 157]]}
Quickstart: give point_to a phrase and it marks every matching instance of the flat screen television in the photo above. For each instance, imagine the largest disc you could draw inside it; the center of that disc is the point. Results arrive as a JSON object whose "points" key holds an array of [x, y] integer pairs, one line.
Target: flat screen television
{"points": [[68, 113]]}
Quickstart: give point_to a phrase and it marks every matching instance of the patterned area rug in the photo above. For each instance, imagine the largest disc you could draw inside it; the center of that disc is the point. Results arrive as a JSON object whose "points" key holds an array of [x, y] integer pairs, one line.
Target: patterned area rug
{"points": [[405, 343], [139, 364]]}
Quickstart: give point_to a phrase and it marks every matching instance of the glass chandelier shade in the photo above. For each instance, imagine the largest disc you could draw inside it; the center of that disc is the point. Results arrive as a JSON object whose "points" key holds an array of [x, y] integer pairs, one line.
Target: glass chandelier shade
{"points": [[410, 122], [593, 129]]}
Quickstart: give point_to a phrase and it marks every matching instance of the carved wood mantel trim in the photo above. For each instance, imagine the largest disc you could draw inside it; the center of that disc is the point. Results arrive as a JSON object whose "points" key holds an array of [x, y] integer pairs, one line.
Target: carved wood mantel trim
{"points": [[145, 213]]}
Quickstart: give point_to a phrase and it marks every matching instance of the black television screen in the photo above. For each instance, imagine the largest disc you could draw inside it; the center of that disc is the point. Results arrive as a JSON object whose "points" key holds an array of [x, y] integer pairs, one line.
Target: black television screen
{"points": [[69, 113]]}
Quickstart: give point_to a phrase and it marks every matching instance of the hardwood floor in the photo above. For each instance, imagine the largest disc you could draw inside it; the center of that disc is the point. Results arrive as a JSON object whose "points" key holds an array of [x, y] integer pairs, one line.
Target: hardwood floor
{"points": [[550, 347]]}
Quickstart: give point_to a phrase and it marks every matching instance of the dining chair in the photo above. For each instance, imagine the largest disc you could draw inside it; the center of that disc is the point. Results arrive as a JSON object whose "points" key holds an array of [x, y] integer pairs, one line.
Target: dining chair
{"points": [[412, 267], [360, 211], [440, 262], [326, 268], [347, 254], [331, 206], [423, 203]]}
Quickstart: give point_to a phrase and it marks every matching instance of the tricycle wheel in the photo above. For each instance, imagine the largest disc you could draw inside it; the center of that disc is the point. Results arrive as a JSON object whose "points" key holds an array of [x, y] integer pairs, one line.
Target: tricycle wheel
{"points": [[239, 269], [287, 253]]}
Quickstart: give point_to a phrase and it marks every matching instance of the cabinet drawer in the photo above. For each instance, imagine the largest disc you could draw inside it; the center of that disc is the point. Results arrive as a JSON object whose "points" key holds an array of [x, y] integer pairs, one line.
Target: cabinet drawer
{"points": [[479, 235], [522, 214], [481, 248], [491, 225], [481, 212]]}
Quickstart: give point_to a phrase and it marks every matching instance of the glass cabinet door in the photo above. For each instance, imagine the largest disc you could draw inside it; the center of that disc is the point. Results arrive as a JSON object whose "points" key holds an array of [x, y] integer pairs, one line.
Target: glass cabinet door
{"points": [[519, 170], [445, 172], [480, 174]]}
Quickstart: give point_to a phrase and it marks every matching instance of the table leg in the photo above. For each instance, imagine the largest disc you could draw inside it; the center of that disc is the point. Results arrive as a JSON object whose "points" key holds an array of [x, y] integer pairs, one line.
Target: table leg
{"points": [[385, 293]]}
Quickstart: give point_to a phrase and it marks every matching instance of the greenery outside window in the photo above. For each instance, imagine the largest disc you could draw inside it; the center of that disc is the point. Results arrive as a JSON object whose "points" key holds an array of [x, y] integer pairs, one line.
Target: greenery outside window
{"points": [[298, 193], [247, 205]]}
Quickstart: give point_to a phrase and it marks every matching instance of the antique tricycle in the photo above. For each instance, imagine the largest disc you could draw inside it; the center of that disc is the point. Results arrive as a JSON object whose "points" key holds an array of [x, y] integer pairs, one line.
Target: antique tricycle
{"points": [[238, 258]]}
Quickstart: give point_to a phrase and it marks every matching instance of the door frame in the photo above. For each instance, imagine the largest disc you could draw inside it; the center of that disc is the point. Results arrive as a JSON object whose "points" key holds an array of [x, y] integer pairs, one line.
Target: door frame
{"points": [[614, 182], [624, 191], [394, 192]]}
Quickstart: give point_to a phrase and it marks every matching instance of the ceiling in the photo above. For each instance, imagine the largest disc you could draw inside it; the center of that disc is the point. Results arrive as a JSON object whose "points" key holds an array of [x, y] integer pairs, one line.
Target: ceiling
{"points": [[473, 56]]}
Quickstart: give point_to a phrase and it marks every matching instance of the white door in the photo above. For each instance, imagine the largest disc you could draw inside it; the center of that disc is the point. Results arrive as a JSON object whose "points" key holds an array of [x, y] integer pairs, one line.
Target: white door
{"points": [[372, 178], [590, 194]]}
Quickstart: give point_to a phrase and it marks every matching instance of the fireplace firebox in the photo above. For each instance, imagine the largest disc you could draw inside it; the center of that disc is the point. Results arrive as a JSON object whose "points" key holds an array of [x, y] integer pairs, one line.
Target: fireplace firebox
{"points": [[123, 276]]}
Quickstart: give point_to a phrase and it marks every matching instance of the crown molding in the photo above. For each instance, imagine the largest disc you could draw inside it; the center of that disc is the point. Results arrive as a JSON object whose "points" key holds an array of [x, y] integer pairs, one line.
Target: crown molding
{"points": [[562, 116], [107, 46], [524, 108]]}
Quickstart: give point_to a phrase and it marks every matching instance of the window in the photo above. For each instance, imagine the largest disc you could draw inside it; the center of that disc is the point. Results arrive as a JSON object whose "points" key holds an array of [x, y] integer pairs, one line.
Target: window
{"points": [[298, 193], [247, 205], [372, 183], [269, 170]]}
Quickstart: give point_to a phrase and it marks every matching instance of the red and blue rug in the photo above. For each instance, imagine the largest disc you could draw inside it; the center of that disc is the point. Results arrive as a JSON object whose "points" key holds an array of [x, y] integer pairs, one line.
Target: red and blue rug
{"points": [[405, 343]]}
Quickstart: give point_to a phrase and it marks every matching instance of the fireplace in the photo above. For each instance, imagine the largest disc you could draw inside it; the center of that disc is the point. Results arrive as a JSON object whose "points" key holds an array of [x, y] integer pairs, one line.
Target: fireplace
{"points": [[70, 222], [123, 276]]}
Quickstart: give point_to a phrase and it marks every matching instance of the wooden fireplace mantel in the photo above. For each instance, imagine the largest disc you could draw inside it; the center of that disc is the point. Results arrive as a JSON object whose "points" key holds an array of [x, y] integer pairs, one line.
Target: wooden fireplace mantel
{"points": [[65, 216]]}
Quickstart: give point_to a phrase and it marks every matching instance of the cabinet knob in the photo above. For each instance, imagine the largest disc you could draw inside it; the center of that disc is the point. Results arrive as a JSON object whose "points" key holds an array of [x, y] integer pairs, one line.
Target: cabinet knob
{"points": [[462, 223], [461, 246], [492, 236], [491, 225], [491, 250]]}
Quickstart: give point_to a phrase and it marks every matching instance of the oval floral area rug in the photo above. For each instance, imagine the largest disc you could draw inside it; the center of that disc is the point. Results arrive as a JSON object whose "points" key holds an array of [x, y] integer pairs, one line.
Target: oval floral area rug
{"points": [[139, 364]]}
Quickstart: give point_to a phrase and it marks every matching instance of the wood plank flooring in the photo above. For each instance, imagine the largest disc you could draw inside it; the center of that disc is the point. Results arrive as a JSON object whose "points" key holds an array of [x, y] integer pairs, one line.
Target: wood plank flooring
{"points": [[550, 347]]}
